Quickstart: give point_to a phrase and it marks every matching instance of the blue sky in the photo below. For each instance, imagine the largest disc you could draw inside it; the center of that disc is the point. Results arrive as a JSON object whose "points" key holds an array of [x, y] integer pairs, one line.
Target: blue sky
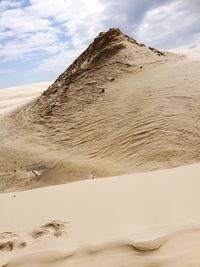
{"points": [[40, 38]]}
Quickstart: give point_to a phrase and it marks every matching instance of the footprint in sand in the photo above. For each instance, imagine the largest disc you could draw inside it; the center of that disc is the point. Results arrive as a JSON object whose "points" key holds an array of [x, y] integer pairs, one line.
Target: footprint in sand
{"points": [[10, 241]]}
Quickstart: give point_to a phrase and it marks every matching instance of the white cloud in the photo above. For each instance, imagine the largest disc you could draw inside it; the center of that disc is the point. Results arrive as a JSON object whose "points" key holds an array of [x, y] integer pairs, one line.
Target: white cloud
{"points": [[58, 62], [65, 10], [46, 42], [58, 30], [20, 21], [4, 4], [170, 25], [81, 19], [38, 27]]}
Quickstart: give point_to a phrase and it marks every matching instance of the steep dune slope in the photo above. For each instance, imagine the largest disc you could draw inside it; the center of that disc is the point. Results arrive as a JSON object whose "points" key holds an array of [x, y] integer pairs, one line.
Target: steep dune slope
{"points": [[120, 107]]}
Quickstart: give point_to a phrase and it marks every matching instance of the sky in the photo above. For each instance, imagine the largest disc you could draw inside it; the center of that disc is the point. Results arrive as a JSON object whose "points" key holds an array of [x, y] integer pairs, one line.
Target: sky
{"points": [[39, 39]]}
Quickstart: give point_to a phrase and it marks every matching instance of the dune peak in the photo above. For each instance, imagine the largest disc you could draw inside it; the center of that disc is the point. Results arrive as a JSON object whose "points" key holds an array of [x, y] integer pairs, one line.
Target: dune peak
{"points": [[111, 54]]}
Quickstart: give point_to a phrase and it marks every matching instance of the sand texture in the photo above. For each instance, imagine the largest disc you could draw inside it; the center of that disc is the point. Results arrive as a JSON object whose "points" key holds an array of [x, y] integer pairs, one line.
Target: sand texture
{"points": [[121, 107], [146, 219], [122, 112], [13, 98]]}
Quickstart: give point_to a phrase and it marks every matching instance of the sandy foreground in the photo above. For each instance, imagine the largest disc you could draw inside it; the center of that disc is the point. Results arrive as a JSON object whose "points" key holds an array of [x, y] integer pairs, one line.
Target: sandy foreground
{"points": [[149, 219]]}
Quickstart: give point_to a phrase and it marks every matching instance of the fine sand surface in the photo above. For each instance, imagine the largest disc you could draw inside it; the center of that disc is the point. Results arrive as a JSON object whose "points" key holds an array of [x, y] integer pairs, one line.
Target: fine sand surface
{"points": [[147, 219], [14, 97]]}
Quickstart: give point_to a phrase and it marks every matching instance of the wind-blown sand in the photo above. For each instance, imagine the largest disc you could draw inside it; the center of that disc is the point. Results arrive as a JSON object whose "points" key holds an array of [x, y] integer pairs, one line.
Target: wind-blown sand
{"points": [[144, 116], [14, 97]]}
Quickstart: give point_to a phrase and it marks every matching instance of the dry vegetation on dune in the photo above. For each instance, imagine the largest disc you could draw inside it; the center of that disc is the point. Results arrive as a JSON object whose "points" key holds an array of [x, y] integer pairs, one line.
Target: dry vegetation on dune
{"points": [[120, 107]]}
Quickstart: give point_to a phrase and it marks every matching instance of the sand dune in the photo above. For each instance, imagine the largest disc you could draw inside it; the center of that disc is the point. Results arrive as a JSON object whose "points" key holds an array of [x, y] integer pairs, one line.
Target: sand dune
{"points": [[148, 219], [121, 107], [12, 98]]}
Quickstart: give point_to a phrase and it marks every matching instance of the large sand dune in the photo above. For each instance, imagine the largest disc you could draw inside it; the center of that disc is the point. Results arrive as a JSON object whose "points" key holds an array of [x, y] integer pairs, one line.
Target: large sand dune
{"points": [[121, 107]]}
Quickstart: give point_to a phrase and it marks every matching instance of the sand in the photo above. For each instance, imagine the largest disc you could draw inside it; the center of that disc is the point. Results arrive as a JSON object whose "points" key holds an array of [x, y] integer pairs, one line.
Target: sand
{"points": [[121, 107], [156, 127], [148, 219], [137, 129], [12, 98]]}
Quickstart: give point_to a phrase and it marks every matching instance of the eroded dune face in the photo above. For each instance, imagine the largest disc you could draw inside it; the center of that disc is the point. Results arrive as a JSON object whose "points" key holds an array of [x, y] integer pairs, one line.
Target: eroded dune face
{"points": [[120, 107]]}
